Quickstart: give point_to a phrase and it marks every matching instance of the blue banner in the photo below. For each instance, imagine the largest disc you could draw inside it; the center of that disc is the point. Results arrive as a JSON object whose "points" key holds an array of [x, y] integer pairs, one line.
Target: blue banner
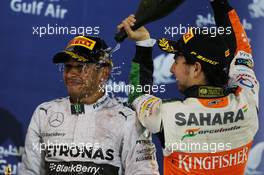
{"points": [[32, 31]]}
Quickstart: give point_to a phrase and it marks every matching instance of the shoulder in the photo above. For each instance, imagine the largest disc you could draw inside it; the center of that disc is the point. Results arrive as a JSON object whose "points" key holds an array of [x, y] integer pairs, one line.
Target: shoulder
{"points": [[54, 101], [126, 116], [53, 104], [120, 109], [179, 105]]}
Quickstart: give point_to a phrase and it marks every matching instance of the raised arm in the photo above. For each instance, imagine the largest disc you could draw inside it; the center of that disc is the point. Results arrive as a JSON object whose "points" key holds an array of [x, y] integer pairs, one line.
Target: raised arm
{"points": [[226, 16], [141, 73], [142, 64], [241, 72]]}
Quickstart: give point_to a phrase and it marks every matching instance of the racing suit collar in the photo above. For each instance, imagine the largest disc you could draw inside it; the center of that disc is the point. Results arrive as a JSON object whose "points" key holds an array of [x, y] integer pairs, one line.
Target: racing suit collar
{"points": [[202, 91], [100, 102], [77, 109]]}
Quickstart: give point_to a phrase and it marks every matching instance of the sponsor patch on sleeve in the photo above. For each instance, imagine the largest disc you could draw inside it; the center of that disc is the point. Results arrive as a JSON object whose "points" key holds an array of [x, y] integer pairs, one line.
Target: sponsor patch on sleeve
{"points": [[245, 62]]}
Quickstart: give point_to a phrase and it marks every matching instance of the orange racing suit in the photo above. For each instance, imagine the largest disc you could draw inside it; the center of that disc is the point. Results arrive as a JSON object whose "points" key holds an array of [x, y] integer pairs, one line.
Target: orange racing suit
{"points": [[211, 131]]}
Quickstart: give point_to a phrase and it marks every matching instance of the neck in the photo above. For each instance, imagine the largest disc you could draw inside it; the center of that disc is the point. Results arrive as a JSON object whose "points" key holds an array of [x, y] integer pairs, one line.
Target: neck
{"points": [[88, 98], [198, 82], [193, 85]]}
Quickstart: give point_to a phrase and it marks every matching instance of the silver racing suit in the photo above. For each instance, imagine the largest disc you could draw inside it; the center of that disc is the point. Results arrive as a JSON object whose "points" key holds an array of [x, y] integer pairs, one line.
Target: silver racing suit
{"points": [[105, 138]]}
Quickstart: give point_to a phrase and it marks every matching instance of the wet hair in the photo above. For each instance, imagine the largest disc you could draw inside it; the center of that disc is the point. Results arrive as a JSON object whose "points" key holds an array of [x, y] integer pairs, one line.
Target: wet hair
{"points": [[215, 75]]}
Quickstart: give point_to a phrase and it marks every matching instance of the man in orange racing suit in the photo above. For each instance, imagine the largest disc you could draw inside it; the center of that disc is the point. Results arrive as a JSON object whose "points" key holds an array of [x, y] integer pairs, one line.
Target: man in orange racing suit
{"points": [[211, 131]]}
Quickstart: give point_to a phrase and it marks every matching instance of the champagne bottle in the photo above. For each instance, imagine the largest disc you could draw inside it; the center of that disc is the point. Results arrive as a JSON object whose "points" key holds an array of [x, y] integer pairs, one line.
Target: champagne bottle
{"points": [[148, 11]]}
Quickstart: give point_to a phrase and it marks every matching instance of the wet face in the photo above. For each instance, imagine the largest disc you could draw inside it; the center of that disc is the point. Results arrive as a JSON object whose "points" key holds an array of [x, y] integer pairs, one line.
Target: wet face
{"points": [[182, 72], [83, 79]]}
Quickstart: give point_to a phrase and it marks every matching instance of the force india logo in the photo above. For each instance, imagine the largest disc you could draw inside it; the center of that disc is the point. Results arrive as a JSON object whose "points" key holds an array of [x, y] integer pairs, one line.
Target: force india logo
{"points": [[189, 133], [197, 131]]}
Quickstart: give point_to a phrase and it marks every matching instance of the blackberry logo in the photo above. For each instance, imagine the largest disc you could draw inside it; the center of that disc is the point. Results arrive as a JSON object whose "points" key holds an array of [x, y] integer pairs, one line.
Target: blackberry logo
{"points": [[52, 167]]}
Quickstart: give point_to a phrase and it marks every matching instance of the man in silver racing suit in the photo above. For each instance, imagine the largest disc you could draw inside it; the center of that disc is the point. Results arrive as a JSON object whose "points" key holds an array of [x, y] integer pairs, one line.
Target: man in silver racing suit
{"points": [[87, 132]]}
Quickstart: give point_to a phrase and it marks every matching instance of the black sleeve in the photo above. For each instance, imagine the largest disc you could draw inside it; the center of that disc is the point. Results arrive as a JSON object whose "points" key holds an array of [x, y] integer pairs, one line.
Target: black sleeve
{"points": [[221, 9], [141, 72]]}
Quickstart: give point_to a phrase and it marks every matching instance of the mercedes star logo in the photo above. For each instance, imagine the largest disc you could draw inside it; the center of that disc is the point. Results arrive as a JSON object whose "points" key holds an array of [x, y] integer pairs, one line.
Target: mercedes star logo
{"points": [[56, 119]]}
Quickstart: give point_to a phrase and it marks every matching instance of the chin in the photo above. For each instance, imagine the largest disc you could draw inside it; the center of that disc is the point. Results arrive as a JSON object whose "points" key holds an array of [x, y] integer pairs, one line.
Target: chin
{"points": [[74, 95], [74, 92]]}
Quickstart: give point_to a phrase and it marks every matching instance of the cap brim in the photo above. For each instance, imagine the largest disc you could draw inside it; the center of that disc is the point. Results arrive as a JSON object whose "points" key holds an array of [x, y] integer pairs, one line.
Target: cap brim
{"points": [[168, 46], [61, 57]]}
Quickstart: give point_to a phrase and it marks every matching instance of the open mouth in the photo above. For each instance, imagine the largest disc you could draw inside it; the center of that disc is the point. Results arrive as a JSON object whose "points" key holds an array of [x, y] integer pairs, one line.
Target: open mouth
{"points": [[74, 82]]}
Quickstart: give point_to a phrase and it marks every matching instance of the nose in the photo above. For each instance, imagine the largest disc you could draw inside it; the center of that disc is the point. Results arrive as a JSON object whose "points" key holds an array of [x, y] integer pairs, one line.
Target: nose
{"points": [[71, 73]]}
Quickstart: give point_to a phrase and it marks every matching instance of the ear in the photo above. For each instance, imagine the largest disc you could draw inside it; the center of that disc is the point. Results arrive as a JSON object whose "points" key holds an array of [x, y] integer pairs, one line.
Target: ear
{"points": [[105, 74], [197, 69]]}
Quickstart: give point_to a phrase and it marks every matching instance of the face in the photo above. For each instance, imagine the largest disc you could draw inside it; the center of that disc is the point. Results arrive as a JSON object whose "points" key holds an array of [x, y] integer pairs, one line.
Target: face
{"points": [[182, 72], [83, 79]]}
